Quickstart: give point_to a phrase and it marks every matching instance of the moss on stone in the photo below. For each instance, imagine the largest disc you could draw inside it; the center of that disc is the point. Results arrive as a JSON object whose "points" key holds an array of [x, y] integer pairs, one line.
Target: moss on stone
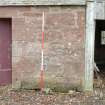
{"points": [[16, 85], [29, 85], [56, 87]]}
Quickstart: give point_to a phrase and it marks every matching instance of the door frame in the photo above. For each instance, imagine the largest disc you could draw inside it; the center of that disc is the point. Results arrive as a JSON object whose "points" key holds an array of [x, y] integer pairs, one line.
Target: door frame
{"points": [[89, 46]]}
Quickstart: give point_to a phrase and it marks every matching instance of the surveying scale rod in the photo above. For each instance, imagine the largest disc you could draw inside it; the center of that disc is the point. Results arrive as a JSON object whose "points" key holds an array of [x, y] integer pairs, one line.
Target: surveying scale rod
{"points": [[42, 84]]}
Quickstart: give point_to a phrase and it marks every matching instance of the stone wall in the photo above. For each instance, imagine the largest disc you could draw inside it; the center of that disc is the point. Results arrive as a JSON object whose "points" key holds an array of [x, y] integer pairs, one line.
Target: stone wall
{"points": [[64, 45]]}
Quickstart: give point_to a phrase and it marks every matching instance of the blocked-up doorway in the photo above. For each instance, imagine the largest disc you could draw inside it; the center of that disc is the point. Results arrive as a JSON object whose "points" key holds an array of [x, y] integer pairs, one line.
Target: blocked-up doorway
{"points": [[5, 51], [100, 48]]}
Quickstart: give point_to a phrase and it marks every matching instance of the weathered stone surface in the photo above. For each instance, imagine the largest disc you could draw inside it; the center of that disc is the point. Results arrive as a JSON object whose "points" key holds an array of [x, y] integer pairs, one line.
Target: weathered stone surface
{"points": [[100, 0], [89, 47], [100, 10], [42, 2], [64, 44]]}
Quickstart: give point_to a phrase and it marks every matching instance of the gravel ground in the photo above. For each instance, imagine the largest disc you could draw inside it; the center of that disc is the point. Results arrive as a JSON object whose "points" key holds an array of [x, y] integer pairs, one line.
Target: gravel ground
{"points": [[31, 97]]}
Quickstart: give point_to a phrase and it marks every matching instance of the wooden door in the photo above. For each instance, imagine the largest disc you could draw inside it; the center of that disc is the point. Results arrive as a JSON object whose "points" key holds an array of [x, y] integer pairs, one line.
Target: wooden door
{"points": [[5, 52]]}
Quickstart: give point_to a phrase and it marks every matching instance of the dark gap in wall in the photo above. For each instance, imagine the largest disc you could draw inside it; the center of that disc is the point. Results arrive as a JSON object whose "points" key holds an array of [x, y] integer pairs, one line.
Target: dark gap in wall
{"points": [[99, 56]]}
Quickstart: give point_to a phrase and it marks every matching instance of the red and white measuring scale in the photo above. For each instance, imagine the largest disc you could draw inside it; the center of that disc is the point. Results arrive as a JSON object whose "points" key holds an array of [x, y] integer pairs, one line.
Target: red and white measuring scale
{"points": [[42, 56]]}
